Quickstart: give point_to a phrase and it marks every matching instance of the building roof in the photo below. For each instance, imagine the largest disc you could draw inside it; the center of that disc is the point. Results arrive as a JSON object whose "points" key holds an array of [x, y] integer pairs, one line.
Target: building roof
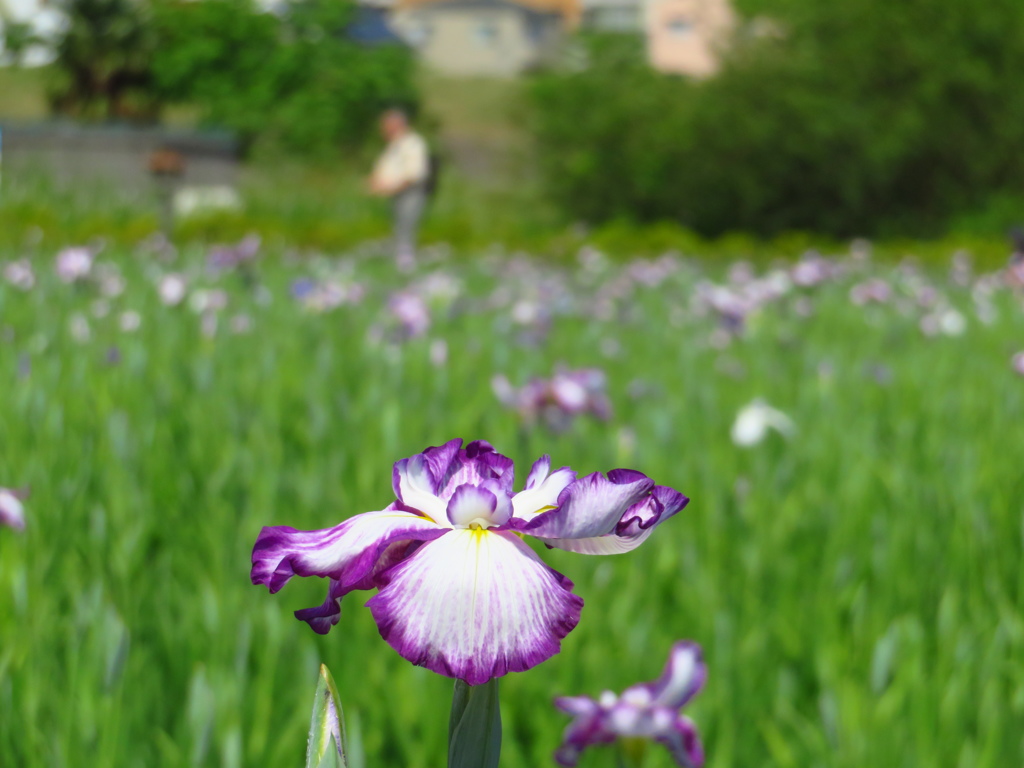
{"points": [[568, 9]]}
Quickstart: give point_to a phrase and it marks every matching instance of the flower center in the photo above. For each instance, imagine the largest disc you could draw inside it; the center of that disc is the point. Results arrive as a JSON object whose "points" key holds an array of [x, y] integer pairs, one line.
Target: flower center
{"points": [[474, 507]]}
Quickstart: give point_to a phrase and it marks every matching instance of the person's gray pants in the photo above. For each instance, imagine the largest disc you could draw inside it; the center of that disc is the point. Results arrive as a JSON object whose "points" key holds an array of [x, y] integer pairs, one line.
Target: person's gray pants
{"points": [[407, 209]]}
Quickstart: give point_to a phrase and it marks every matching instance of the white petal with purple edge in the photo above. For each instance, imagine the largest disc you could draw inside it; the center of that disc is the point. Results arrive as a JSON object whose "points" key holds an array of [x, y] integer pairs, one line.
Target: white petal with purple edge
{"points": [[542, 490], [475, 604], [346, 552], [592, 505], [415, 488], [683, 677]]}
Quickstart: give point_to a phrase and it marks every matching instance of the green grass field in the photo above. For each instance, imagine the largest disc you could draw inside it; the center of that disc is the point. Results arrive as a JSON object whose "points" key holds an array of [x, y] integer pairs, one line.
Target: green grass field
{"points": [[857, 587]]}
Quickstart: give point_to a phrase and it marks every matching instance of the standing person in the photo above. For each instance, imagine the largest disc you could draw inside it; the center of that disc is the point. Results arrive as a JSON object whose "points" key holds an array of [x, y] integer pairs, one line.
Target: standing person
{"points": [[401, 173]]}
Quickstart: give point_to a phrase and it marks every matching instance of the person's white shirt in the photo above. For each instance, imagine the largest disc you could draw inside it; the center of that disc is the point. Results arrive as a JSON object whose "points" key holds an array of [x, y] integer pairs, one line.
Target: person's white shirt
{"points": [[403, 163]]}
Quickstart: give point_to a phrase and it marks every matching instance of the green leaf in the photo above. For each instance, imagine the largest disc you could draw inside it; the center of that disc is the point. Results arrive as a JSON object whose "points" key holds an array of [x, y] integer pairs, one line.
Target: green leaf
{"points": [[474, 730], [326, 745]]}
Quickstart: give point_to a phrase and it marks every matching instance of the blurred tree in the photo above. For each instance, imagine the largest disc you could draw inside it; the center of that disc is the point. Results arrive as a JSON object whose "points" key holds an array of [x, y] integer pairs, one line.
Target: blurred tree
{"points": [[18, 38], [103, 61], [292, 78]]}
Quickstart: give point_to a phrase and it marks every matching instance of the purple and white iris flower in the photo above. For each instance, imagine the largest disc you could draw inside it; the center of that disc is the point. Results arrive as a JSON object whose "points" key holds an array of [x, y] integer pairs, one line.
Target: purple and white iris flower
{"points": [[644, 712], [12, 513], [460, 592]]}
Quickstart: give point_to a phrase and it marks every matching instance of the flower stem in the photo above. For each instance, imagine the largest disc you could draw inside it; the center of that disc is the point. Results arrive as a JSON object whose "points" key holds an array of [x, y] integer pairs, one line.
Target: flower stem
{"points": [[474, 730]]}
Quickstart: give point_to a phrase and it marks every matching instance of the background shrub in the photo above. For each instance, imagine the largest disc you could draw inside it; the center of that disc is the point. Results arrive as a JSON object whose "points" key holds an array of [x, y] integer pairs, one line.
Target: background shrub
{"points": [[293, 78], [861, 117]]}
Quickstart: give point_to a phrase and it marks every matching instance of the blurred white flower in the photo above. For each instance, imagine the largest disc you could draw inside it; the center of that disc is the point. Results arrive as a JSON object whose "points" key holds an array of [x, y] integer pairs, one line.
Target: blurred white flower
{"points": [[74, 264], [241, 323], [438, 353], [172, 289], [952, 323], [79, 327], [19, 274], [208, 324], [112, 283], [755, 420], [130, 321], [189, 201], [948, 322], [212, 300]]}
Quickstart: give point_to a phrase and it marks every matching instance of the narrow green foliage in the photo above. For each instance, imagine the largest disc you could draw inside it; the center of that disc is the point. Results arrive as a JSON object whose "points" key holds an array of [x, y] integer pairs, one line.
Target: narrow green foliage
{"points": [[474, 728]]}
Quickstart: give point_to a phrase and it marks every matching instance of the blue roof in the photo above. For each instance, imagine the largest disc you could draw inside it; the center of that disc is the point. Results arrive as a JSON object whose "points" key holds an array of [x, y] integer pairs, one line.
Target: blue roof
{"points": [[371, 27]]}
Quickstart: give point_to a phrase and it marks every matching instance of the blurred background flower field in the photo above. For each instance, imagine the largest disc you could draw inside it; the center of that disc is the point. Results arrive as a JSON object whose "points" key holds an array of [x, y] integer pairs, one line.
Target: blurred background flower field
{"points": [[856, 583], [783, 287]]}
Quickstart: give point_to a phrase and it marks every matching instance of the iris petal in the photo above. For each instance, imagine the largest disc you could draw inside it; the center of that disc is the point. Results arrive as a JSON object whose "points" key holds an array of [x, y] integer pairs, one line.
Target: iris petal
{"points": [[475, 605], [636, 524], [346, 552], [416, 488], [593, 505], [542, 490], [683, 677]]}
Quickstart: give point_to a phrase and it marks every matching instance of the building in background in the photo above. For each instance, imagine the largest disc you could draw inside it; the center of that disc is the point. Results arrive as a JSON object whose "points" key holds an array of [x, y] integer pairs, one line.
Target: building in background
{"points": [[687, 36], [485, 37], [613, 16], [683, 37]]}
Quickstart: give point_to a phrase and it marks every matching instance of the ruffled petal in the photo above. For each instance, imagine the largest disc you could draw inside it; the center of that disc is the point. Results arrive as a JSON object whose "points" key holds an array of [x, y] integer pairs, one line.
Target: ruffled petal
{"points": [[417, 489], [587, 728], [592, 505], [684, 676], [322, 617], [542, 490], [475, 465], [475, 605], [683, 742], [636, 524], [346, 553]]}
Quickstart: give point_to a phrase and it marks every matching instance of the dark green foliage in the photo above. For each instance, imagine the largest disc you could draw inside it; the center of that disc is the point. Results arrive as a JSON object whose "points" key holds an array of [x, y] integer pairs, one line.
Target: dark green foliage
{"points": [[858, 117], [293, 77], [103, 61]]}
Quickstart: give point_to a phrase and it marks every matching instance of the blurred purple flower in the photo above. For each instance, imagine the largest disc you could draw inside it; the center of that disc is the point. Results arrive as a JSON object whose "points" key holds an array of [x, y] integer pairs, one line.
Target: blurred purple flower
{"points": [[411, 312], [1018, 363], [12, 513], [875, 290], [323, 297], [558, 400], [646, 711], [224, 257]]}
